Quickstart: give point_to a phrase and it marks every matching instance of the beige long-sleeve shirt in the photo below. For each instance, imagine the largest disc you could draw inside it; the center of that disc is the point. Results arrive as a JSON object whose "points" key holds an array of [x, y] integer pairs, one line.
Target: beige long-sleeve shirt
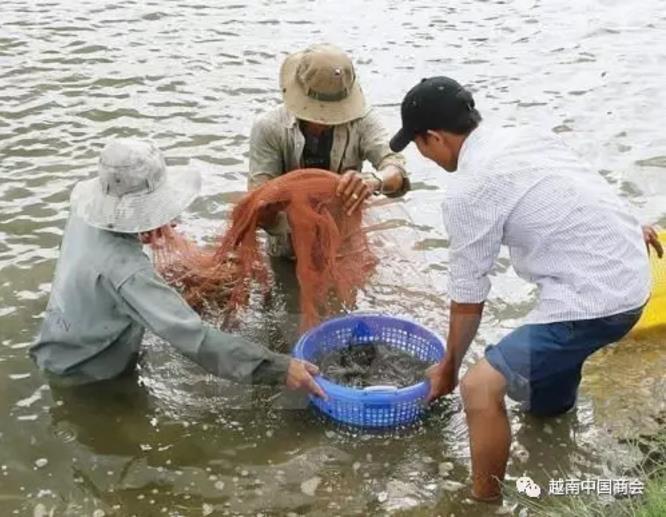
{"points": [[276, 147]]}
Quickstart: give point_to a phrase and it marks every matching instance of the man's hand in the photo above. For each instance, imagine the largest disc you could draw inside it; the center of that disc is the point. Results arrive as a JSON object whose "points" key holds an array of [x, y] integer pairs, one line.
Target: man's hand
{"points": [[443, 379], [354, 189], [463, 324], [652, 239], [299, 377]]}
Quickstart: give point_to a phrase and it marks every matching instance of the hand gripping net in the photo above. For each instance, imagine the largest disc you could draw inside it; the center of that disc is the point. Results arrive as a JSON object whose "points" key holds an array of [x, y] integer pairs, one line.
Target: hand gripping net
{"points": [[333, 259]]}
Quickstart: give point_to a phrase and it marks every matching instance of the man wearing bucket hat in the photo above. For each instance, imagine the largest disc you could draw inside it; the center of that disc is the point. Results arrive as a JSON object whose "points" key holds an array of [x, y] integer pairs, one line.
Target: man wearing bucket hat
{"points": [[324, 123], [106, 292], [566, 230]]}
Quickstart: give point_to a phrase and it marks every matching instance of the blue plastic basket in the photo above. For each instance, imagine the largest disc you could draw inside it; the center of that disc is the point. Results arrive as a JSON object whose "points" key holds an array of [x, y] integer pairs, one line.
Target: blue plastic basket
{"points": [[374, 406]]}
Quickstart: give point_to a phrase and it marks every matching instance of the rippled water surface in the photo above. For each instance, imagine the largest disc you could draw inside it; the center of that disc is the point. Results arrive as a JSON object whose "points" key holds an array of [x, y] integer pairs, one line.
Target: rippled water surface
{"points": [[192, 75]]}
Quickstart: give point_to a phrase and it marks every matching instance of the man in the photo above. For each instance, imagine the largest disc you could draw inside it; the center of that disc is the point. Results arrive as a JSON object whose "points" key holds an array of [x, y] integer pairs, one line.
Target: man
{"points": [[106, 292], [324, 123], [566, 231]]}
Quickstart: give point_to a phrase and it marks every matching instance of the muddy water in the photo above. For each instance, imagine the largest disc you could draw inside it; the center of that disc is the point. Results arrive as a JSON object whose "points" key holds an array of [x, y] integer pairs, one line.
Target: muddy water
{"points": [[171, 440]]}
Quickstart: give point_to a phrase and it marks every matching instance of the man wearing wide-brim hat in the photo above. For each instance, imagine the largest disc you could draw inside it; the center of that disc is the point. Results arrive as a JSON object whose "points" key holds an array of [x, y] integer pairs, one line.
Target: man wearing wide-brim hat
{"points": [[324, 123], [106, 291]]}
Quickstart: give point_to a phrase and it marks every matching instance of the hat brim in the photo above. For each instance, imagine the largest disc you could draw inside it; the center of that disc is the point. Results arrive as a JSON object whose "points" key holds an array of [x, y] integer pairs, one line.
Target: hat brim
{"points": [[306, 108], [401, 140], [135, 213]]}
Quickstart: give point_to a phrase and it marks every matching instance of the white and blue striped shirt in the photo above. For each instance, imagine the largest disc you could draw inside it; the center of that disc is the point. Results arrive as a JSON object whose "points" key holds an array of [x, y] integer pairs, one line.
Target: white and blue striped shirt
{"points": [[566, 229]]}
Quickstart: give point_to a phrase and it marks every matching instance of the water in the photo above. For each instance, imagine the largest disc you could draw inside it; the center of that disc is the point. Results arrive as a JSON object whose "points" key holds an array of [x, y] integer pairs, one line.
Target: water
{"points": [[172, 440]]}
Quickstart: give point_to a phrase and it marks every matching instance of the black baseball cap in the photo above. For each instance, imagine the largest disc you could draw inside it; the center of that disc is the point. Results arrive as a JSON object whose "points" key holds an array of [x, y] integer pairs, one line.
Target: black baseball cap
{"points": [[434, 103]]}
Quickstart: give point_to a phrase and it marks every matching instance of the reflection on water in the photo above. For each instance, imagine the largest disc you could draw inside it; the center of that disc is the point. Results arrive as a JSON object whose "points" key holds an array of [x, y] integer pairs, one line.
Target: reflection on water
{"points": [[173, 440]]}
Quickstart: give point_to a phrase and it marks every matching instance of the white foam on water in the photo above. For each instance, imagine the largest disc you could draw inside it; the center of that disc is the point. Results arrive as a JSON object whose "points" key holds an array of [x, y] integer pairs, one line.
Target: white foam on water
{"points": [[29, 401]]}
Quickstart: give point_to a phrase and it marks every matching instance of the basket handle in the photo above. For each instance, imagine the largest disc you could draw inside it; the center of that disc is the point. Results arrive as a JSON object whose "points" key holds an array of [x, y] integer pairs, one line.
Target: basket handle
{"points": [[380, 389]]}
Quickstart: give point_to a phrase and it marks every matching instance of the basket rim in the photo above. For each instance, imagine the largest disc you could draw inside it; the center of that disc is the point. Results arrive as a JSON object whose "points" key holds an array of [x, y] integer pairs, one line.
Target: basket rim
{"points": [[331, 387]]}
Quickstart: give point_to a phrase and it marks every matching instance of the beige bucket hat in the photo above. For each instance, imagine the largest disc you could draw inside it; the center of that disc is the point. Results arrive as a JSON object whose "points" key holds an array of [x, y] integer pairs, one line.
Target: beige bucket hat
{"points": [[133, 191], [319, 85]]}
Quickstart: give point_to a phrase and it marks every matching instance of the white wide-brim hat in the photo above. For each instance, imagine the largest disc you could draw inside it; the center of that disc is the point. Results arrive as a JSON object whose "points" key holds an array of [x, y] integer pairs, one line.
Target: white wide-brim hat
{"points": [[166, 194]]}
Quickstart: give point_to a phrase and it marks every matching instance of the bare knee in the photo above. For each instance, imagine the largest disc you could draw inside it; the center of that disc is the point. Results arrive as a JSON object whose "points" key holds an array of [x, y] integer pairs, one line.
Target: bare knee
{"points": [[483, 388]]}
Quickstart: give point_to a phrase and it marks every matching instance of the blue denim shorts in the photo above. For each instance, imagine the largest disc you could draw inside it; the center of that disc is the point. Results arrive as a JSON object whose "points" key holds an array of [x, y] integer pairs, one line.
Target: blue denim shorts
{"points": [[542, 363]]}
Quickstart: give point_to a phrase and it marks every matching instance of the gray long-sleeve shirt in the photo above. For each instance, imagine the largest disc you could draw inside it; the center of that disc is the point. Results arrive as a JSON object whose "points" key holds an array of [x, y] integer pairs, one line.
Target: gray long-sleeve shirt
{"points": [[106, 293]]}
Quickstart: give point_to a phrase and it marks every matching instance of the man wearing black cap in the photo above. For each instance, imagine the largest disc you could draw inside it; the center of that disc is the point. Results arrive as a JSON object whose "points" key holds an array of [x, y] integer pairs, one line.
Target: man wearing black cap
{"points": [[566, 231]]}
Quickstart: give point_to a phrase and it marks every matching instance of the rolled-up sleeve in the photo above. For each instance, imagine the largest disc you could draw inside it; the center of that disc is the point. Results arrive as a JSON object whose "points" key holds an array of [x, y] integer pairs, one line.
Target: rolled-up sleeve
{"points": [[153, 304], [374, 143], [475, 238]]}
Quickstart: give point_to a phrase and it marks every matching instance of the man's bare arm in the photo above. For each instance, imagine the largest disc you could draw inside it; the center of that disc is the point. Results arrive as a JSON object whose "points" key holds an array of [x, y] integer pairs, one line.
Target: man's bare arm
{"points": [[463, 325]]}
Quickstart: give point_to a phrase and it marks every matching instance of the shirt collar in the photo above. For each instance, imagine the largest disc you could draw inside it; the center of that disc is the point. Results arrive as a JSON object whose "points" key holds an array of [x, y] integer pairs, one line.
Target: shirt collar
{"points": [[470, 143], [290, 121]]}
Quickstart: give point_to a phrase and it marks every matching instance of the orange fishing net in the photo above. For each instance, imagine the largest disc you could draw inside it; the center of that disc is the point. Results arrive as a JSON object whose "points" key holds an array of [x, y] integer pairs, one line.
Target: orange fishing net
{"points": [[331, 249]]}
